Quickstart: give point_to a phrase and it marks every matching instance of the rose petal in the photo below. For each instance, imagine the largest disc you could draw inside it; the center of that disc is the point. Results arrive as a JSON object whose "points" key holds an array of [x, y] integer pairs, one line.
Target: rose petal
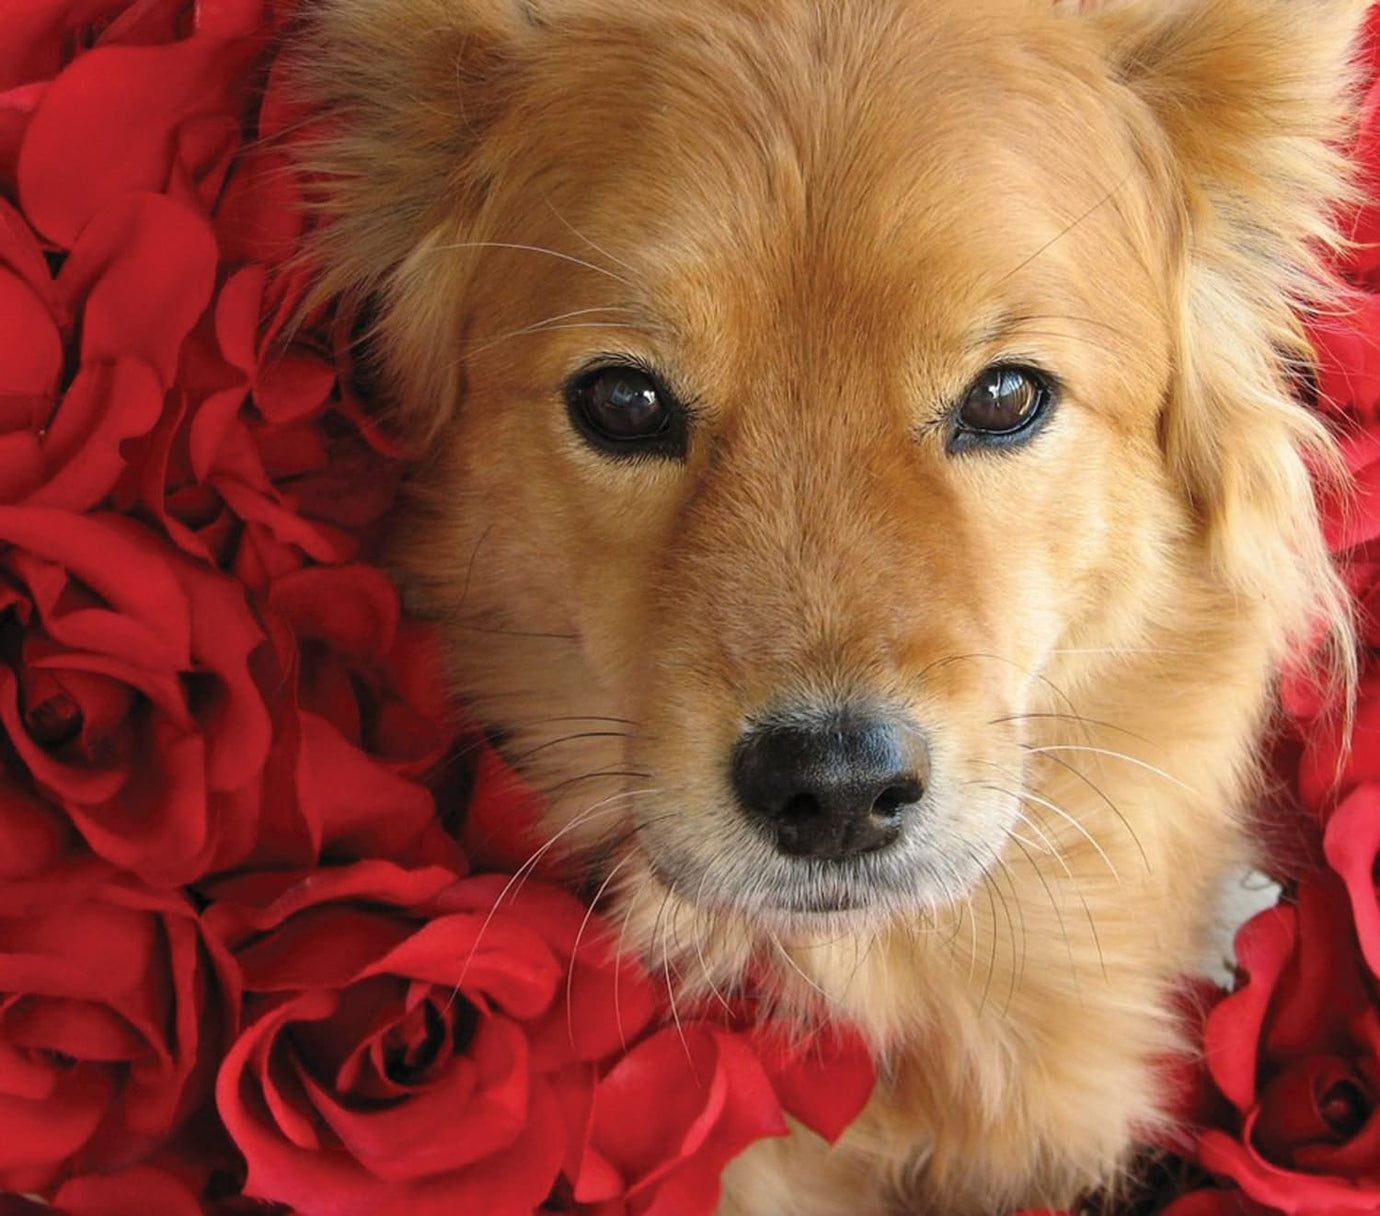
{"points": [[144, 267]]}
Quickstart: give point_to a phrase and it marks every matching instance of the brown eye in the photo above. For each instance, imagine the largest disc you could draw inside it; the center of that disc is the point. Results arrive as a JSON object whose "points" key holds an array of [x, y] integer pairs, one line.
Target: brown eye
{"points": [[625, 411], [1002, 403]]}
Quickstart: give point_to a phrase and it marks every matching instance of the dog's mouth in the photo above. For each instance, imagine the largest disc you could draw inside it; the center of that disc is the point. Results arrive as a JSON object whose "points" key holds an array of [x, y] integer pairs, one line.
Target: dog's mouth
{"points": [[916, 874]]}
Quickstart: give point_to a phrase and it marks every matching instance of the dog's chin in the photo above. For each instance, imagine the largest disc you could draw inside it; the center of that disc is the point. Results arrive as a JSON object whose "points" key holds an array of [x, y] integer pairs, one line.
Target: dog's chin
{"points": [[802, 895]]}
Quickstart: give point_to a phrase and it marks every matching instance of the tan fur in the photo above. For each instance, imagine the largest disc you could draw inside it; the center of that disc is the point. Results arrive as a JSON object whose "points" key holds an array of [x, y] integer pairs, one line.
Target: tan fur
{"points": [[820, 219]]}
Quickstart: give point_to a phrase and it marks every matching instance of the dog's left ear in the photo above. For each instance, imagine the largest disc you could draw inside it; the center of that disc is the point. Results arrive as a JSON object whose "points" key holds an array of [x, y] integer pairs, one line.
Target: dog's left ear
{"points": [[1241, 110], [401, 98]]}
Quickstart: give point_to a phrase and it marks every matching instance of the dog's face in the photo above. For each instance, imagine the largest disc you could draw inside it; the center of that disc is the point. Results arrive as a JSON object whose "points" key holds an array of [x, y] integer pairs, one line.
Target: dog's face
{"points": [[847, 424], [814, 377]]}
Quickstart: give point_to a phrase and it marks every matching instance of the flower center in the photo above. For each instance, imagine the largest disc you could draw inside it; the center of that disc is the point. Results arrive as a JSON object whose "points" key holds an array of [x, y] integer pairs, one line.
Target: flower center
{"points": [[408, 1056], [54, 721], [1344, 1107]]}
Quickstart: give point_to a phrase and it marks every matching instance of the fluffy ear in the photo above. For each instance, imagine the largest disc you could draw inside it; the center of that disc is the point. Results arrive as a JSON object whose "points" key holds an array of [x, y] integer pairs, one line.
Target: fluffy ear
{"points": [[1243, 111], [400, 96]]}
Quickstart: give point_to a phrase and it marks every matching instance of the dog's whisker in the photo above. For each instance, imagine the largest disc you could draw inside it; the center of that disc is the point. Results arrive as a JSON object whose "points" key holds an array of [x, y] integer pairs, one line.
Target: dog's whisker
{"points": [[469, 569], [1027, 795], [1073, 883], [971, 907], [1116, 755], [515, 761], [659, 935], [618, 971], [1023, 951], [829, 1000], [541, 249], [493, 631], [577, 718], [542, 326], [1078, 220], [860, 960], [599, 249], [1124, 650], [1069, 717], [1111, 806], [518, 877], [699, 945], [1058, 912], [936, 664], [604, 773], [575, 951], [986, 886], [1073, 822], [1094, 322], [1108, 348]]}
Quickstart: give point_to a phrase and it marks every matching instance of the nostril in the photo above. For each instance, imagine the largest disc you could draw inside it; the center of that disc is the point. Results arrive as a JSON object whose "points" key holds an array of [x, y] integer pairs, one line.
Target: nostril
{"points": [[895, 798]]}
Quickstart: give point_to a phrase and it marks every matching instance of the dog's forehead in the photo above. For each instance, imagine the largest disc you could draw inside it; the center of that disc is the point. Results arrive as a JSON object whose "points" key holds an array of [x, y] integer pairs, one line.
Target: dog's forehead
{"points": [[886, 166]]}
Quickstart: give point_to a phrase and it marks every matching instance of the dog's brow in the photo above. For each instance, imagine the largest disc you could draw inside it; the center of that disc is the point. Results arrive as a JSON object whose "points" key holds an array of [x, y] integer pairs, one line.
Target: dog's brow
{"points": [[1063, 232]]}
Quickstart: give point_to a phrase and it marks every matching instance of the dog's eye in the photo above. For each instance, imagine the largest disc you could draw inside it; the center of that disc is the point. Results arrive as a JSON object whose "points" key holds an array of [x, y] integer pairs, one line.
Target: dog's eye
{"points": [[1001, 404], [623, 410]]}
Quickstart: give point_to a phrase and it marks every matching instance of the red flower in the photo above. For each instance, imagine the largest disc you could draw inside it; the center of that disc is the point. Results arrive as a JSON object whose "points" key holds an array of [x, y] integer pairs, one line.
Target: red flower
{"points": [[138, 279], [1333, 763], [1348, 350], [257, 465], [1212, 1202], [125, 688], [823, 1079], [1352, 845], [501, 828], [1297, 1053], [111, 1023], [669, 1116], [142, 110], [137, 1191], [413, 1066], [350, 743]]}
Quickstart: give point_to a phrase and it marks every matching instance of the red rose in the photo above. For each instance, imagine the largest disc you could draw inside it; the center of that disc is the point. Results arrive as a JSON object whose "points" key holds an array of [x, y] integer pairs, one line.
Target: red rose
{"points": [[501, 828], [1332, 764], [34, 836], [144, 110], [412, 1066], [1214, 1202], [1349, 360], [112, 1018], [126, 690], [141, 1190], [1297, 1053], [1352, 845], [350, 743], [137, 280], [823, 1079], [257, 465], [669, 1116]]}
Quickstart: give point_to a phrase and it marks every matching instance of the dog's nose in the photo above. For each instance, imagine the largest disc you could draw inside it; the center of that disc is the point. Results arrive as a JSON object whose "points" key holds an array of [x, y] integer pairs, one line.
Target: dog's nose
{"points": [[831, 790]]}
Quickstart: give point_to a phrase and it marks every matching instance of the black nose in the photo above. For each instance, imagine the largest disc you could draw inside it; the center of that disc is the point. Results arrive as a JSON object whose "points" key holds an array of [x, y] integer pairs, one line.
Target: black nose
{"points": [[834, 789]]}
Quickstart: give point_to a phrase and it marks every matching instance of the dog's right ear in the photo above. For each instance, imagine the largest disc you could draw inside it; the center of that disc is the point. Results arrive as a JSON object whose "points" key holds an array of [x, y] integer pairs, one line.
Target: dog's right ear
{"points": [[1242, 110], [399, 97]]}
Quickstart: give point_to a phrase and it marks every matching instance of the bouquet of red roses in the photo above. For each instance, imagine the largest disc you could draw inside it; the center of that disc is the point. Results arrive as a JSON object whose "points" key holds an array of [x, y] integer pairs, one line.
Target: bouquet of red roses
{"points": [[259, 949]]}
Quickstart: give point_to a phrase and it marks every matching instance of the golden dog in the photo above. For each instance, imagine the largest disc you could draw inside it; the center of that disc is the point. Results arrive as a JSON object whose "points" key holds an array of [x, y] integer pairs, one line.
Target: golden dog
{"points": [[861, 480]]}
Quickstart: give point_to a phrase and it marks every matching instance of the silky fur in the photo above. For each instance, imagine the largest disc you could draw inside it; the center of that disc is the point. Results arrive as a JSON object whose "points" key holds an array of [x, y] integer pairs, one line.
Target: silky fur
{"points": [[820, 219]]}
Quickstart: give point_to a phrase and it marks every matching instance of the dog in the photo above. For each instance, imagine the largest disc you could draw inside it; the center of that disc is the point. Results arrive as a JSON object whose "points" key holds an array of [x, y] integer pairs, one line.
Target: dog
{"points": [[862, 482]]}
